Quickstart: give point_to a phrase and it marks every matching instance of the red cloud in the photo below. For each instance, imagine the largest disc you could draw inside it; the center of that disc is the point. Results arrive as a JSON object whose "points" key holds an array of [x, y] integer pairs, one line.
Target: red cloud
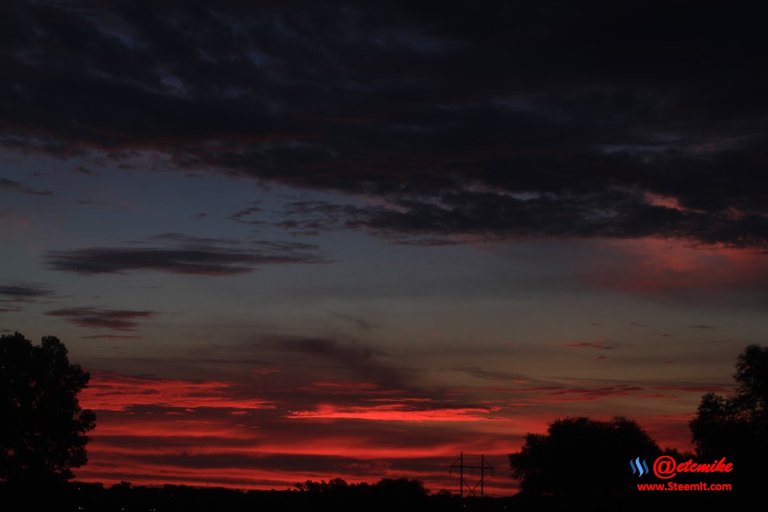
{"points": [[155, 431], [654, 266], [396, 412], [114, 392]]}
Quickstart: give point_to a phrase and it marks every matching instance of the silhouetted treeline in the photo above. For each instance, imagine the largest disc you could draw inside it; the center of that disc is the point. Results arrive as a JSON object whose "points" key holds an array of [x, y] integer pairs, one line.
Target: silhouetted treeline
{"points": [[399, 495]]}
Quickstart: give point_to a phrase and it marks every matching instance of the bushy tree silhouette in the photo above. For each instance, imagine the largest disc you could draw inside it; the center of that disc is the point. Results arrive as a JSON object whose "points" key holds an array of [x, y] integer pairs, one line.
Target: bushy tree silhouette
{"points": [[42, 427], [580, 458], [736, 427]]}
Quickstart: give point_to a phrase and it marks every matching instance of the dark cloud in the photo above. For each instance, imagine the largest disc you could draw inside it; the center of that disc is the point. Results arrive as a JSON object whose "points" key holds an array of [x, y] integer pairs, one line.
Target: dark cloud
{"points": [[98, 318], [247, 215], [23, 292], [594, 345], [111, 337], [358, 322], [15, 186], [702, 326], [326, 348], [482, 373], [582, 393], [695, 388], [456, 217], [337, 359], [183, 254], [494, 120], [81, 169], [15, 295], [93, 202]]}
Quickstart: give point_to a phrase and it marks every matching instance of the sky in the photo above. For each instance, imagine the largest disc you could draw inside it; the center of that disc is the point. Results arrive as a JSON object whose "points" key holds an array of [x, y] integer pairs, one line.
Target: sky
{"points": [[305, 240]]}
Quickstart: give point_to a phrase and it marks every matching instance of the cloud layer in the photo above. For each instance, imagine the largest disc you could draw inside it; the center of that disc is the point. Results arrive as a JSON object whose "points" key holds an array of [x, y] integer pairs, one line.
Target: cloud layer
{"points": [[268, 431], [497, 120]]}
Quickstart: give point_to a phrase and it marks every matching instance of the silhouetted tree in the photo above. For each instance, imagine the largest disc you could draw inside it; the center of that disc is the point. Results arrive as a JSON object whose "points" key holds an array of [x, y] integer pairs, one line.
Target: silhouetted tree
{"points": [[582, 458], [333, 485], [736, 427], [402, 490], [386, 494], [42, 428]]}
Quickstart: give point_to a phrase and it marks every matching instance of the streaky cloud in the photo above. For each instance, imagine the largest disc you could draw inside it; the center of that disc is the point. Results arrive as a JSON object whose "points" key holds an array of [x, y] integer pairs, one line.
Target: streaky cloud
{"points": [[101, 318], [182, 254]]}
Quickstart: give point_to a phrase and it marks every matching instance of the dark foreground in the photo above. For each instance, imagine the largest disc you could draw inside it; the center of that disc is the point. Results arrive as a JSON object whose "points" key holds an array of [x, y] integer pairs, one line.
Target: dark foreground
{"points": [[82, 497]]}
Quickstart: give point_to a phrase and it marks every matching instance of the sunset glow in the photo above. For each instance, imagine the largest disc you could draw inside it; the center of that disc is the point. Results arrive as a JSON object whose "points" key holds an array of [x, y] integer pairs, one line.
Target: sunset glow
{"points": [[340, 240]]}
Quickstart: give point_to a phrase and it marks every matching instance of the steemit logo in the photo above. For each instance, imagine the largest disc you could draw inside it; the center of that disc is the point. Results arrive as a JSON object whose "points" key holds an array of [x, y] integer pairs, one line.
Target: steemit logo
{"points": [[639, 466]]}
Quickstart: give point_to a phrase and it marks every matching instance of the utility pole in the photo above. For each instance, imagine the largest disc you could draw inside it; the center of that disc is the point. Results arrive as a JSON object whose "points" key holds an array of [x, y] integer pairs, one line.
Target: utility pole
{"points": [[482, 476], [468, 464]]}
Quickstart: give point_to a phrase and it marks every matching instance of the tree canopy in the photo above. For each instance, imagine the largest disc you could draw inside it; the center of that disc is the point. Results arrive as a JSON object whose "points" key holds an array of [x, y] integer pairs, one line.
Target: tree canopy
{"points": [[42, 432], [736, 426], [580, 457]]}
